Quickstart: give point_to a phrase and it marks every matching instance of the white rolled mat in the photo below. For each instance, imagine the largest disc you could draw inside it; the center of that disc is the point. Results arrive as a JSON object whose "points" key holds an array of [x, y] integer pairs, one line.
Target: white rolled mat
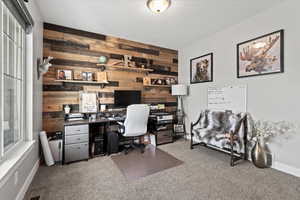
{"points": [[46, 149]]}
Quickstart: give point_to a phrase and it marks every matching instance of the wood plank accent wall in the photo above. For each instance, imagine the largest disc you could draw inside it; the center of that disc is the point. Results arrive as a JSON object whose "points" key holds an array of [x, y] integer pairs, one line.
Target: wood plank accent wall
{"points": [[76, 49]]}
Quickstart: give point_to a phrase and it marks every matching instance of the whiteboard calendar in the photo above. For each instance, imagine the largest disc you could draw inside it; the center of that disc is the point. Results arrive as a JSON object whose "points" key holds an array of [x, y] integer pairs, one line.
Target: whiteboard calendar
{"points": [[227, 98]]}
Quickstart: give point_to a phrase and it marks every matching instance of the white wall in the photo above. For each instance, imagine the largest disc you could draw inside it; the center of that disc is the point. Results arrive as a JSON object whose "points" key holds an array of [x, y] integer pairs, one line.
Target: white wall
{"points": [[9, 191], [271, 97]]}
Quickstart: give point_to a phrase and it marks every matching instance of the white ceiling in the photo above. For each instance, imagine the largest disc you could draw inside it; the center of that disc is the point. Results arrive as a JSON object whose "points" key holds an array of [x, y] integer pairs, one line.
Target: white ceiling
{"points": [[184, 22]]}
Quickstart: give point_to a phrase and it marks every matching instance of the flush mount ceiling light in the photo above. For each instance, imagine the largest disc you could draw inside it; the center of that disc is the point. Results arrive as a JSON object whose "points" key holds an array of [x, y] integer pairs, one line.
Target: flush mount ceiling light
{"points": [[158, 6]]}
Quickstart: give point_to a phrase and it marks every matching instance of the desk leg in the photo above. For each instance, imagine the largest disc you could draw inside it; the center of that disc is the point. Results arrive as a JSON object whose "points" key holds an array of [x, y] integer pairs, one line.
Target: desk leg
{"points": [[141, 139], [106, 126]]}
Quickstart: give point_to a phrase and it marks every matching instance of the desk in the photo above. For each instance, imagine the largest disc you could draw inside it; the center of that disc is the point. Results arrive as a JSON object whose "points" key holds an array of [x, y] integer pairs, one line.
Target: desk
{"points": [[87, 121], [77, 136]]}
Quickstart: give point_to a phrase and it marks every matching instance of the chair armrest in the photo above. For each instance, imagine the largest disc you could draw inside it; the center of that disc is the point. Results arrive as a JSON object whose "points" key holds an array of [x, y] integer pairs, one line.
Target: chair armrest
{"points": [[121, 128], [120, 123]]}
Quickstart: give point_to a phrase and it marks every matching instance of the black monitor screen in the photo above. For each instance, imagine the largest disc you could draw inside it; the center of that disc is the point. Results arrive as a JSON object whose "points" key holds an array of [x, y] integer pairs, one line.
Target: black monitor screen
{"points": [[124, 98]]}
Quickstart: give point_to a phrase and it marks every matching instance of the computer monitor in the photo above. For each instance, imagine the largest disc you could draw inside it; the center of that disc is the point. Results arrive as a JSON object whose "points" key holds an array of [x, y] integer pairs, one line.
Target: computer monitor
{"points": [[124, 98]]}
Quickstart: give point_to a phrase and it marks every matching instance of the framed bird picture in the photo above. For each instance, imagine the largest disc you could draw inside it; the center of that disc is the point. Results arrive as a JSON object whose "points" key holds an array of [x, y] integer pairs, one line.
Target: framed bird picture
{"points": [[201, 69], [261, 56]]}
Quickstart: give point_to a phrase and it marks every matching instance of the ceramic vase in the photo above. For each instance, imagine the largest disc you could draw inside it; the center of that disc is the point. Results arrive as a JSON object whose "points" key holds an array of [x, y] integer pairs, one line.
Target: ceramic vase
{"points": [[261, 155]]}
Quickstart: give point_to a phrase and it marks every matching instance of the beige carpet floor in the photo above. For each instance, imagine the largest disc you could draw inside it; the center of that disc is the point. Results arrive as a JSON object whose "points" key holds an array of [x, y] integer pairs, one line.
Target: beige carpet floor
{"points": [[204, 175]]}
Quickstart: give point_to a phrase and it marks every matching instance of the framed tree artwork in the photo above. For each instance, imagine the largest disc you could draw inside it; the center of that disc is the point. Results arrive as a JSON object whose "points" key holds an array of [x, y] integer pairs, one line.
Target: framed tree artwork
{"points": [[261, 56], [201, 69]]}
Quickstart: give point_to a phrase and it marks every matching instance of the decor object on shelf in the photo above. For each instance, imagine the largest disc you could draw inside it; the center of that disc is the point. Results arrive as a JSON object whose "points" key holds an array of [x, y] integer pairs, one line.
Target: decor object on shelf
{"points": [[64, 74], [84, 76], [158, 6], [127, 60], [170, 81], [261, 56], [103, 59], [167, 81], [146, 81], [77, 75], [157, 81], [67, 109], [201, 69], [263, 131], [89, 76], [43, 66], [101, 77], [180, 90]]}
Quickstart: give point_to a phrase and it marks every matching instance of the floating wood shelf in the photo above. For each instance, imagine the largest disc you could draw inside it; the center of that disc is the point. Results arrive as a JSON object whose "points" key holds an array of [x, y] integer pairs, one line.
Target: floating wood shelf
{"points": [[88, 82], [161, 86], [128, 68]]}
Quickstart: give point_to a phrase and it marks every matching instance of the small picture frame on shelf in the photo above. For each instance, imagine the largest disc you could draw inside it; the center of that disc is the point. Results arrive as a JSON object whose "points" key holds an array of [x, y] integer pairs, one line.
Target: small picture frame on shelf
{"points": [[84, 76], [77, 74], [158, 81], [64, 74], [89, 76]]}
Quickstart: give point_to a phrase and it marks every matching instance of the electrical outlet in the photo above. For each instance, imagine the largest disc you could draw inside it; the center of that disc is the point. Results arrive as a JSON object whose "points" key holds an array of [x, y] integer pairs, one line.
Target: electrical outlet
{"points": [[16, 177]]}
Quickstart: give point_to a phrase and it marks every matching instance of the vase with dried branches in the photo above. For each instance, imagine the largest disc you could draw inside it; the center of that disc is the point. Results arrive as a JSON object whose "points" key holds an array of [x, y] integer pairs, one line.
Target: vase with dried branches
{"points": [[263, 131]]}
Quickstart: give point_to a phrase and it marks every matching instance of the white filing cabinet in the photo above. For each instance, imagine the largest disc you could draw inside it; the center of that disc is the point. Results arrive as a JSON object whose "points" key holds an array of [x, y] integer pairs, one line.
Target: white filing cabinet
{"points": [[76, 143]]}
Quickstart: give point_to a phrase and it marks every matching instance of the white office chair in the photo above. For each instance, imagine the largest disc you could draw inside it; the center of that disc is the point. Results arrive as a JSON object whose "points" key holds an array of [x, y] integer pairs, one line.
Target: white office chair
{"points": [[135, 124]]}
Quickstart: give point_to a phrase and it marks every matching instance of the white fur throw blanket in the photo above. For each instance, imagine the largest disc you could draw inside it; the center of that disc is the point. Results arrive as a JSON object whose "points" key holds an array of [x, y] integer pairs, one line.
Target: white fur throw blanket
{"points": [[212, 127]]}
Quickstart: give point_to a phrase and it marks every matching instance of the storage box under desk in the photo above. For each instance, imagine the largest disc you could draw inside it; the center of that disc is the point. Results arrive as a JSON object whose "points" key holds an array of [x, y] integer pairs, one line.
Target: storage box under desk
{"points": [[163, 133]]}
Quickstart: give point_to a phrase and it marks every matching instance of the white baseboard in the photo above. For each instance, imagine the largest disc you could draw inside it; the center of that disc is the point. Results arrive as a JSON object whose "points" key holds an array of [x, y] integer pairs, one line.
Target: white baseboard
{"points": [[286, 169], [28, 181]]}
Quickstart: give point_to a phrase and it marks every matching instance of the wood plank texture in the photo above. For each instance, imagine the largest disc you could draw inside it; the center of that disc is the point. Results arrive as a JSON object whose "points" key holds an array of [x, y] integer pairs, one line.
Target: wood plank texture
{"points": [[74, 49]]}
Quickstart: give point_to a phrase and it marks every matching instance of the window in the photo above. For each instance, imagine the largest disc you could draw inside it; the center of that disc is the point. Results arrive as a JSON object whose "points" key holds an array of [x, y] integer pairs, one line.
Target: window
{"points": [[12, 80]]}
